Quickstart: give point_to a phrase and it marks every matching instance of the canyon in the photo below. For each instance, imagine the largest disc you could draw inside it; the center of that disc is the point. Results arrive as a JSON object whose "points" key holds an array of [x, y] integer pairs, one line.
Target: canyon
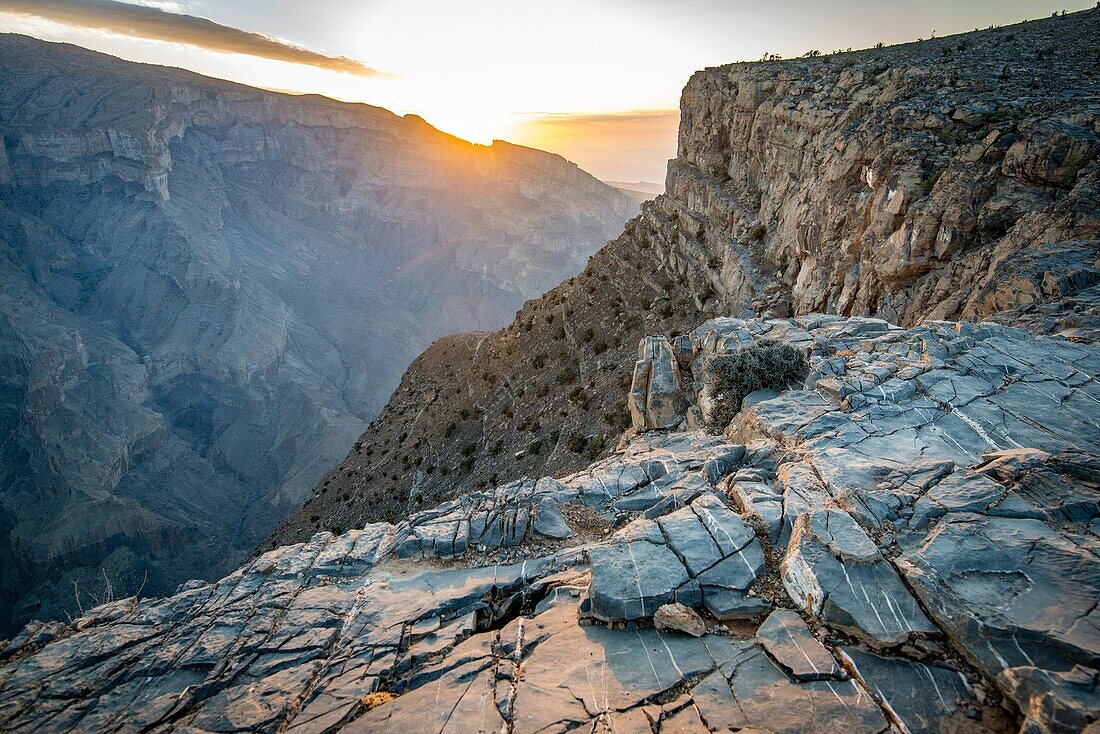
{"points": [[813, 445], [208, 290]]}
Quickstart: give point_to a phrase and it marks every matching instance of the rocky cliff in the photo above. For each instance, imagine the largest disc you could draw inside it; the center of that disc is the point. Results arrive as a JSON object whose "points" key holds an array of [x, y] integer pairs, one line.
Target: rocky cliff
{"points": [[207, 290], [953, 178], [903, 539]]}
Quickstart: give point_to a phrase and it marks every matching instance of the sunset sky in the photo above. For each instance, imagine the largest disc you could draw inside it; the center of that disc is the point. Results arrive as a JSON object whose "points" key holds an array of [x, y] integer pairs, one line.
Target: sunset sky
{"points": [[597, 81]]}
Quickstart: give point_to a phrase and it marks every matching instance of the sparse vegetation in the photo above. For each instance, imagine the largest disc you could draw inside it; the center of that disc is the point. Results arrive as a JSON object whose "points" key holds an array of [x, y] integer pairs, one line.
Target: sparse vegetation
{"points": [[567, 375], [765, 364]]}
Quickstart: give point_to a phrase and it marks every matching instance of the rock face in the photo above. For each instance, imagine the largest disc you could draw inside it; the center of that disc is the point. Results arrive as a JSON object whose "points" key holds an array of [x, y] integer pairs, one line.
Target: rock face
{"points": [[954, 178], [930, 564], [207, 290]]}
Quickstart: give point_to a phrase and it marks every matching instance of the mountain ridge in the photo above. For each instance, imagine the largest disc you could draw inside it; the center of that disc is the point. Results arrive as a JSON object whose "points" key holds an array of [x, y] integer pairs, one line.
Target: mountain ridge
{"points": [[209, 289], [953, 178]]}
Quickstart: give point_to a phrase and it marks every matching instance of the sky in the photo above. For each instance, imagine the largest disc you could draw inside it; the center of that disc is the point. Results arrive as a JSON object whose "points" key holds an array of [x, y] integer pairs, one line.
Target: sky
{"points": [[597, 81]]}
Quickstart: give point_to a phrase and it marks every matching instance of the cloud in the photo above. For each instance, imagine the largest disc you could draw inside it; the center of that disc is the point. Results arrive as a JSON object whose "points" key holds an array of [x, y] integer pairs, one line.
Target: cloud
{"points": [[150, 21]]}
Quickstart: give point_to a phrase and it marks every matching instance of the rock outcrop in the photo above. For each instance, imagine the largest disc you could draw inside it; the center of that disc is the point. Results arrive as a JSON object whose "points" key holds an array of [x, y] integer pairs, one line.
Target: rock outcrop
{"points": [[206, 290], [954, 178], [905, 541]]}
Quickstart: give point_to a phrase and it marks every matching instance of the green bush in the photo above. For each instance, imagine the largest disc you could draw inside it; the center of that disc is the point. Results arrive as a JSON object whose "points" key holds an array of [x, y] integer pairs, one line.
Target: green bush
{"points": [[576, 442], [757, 232], [765, 364], [594, 448], [567, 374]]}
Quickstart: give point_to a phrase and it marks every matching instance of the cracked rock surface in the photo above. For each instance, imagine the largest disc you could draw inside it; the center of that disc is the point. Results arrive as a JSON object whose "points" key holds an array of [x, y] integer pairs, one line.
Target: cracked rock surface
{"points": [[906, 541]]}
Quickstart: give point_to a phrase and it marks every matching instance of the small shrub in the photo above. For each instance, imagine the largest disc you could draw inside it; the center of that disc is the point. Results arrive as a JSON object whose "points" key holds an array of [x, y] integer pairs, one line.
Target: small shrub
{"points": [[764, 364], [567, 374], [594, 448], [576, 442], [579, 396], [757, 232], [618, 418]]}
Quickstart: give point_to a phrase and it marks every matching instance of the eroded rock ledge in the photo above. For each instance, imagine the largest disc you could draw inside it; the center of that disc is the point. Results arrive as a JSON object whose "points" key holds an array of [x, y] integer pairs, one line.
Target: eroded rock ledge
{"points": [[906, 540], [954, 178]]}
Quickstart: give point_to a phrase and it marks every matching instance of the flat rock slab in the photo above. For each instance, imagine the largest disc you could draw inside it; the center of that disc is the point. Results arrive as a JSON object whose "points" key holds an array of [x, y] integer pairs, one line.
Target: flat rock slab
{"points": [[835, 571], [1018, 597], [791, 643], [923, 697], [752, 692], [631, 580]]}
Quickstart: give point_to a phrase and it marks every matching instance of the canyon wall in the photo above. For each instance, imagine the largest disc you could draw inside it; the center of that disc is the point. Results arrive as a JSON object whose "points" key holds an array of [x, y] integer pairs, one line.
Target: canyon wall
{"points": [[208, 290], [954, 178]]}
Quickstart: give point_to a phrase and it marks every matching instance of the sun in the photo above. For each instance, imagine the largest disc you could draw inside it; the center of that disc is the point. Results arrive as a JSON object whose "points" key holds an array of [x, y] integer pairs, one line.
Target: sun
{"points": [[473, 123]]}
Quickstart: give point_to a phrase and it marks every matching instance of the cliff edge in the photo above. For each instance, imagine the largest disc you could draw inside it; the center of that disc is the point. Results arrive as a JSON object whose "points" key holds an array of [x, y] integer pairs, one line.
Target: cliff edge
{"points": [[954, 178]]}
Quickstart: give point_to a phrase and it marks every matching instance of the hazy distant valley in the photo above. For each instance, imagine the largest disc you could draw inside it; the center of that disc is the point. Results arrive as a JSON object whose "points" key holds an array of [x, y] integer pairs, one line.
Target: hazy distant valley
{"points": [[208, 290]]}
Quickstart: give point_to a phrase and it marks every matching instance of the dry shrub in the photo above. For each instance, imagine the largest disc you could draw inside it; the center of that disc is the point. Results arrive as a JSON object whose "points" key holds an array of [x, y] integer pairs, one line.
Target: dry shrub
{"points": [[765, 364]]}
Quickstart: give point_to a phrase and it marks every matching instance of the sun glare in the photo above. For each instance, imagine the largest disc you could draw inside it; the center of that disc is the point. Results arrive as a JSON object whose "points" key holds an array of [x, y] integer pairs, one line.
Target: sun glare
{"points": [[470, 123]]}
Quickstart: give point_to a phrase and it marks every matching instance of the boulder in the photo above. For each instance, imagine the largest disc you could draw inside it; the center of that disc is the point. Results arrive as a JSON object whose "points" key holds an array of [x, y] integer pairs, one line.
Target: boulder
{"points": [[679, 618]]}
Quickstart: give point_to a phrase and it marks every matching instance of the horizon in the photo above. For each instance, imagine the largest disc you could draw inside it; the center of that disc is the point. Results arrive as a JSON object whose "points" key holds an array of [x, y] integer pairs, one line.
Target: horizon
{"points": [[608, 102]]}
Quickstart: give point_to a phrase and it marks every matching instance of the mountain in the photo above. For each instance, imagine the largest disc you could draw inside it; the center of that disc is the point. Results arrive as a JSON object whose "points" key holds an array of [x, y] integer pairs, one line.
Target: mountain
{"points": [[647, 188], [955, 178], [814, 522], [208, 290]]}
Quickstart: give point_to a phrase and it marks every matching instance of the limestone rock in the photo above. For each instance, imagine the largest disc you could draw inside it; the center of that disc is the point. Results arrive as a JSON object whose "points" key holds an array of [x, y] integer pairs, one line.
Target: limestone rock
{"points": [[964, 572], [656, 400], [679, 618], [632, 580], [790, 643], [834, 570], [923, 697]]}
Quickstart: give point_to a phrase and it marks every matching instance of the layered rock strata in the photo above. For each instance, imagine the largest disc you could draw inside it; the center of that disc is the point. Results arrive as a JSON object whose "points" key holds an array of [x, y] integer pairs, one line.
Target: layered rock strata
{"points": [[953, 178], [907, 541]]}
